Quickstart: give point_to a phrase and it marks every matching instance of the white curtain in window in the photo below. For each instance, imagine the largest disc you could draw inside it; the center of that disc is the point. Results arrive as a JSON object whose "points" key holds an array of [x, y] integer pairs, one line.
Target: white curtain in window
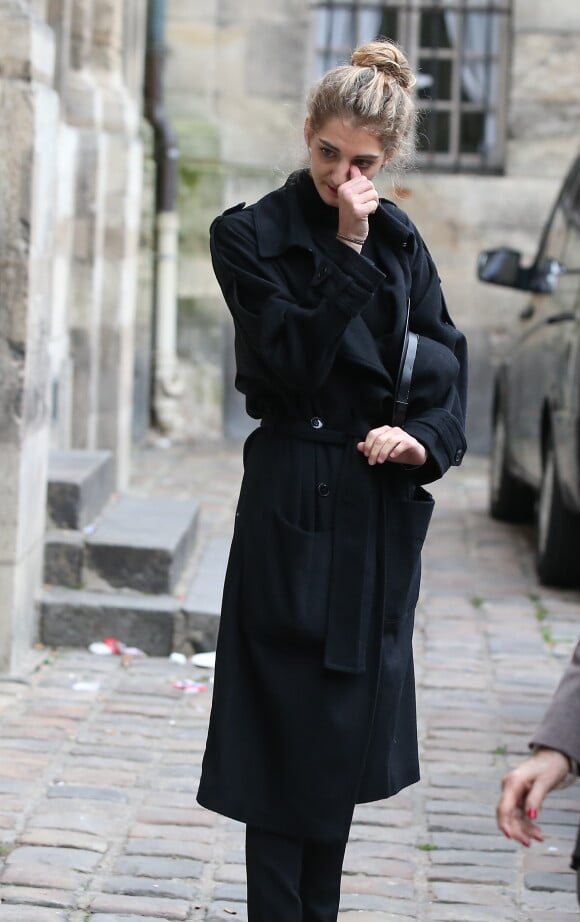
{"points": [[339, 30], [369, 24], [480, 36]]}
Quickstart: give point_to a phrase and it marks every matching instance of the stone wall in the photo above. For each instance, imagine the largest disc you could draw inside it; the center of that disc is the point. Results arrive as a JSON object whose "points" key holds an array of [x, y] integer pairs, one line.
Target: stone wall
{"points": [[237, 76], [70, 193], [461, 215], [28, 129], [101, 98], [74, 248]]}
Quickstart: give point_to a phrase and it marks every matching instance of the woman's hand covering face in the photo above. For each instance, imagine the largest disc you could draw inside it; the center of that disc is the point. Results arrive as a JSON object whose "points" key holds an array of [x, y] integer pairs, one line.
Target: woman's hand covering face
{"points": [[357, 199]]}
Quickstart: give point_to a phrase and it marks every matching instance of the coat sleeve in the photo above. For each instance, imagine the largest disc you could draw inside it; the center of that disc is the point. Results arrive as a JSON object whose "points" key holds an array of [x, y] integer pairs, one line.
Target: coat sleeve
{"points": [[296, 343], [560, 728], [440, 425]]}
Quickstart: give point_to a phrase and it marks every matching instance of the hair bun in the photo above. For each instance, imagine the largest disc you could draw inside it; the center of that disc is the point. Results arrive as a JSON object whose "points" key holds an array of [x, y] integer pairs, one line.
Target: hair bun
{"points": [[387, 57]]}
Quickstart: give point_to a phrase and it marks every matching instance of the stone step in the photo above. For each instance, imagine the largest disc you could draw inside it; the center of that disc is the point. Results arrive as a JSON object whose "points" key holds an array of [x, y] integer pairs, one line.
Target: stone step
{"points": [[63, 558], [79, 485], [203, 600], [77, 618], [141, 543]]}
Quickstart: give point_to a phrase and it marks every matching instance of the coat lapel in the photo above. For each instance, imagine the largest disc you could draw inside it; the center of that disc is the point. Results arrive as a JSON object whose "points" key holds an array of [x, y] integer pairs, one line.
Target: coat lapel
{"points": [[280, 225]]}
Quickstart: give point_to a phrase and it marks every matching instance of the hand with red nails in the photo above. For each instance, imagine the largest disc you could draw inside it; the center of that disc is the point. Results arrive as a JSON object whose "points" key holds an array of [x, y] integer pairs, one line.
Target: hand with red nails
{"points": [[523, 792]]}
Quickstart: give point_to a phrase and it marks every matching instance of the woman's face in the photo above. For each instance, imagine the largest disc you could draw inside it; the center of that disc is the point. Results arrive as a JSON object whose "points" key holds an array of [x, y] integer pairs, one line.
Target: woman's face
{"points": [[334, 149]]}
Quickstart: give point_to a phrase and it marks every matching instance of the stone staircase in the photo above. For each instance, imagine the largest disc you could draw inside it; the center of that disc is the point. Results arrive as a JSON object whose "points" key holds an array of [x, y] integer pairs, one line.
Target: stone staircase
{"points": [[120, 564]]}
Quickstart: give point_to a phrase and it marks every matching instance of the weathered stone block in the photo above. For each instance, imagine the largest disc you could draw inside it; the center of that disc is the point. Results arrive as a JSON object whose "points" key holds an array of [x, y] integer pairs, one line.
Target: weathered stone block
{"points": [[202, 605], [35, 897], [537, 15], [74, 859], [63, 559], [167, 848], [19, 582], [86, 792], [551, 882], [144, 887], [231, 892], [143, 542], [32, 914], [159, 867], [535, 75], [79, 484], [141, 905], [41, 875], [77, 618], [27, 49], [62, 838], [273, 72]]}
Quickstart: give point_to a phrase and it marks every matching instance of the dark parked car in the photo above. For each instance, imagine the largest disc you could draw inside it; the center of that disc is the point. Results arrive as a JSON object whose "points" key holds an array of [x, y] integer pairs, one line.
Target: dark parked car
{"points": [[535, 466]]}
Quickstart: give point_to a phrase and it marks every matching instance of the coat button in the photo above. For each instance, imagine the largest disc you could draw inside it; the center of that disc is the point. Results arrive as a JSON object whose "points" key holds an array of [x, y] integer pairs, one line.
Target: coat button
{"points": [[323, 489], [458, 456], [316, 422]]}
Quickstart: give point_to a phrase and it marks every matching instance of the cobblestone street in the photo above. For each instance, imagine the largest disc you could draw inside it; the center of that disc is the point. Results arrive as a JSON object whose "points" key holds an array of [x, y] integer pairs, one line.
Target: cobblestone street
{"points": [[99, 755]]}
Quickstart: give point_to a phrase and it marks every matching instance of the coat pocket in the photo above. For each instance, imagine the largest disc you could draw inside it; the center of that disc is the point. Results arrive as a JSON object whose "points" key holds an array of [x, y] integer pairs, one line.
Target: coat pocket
{"points": [[406, 529], [286, 573]]}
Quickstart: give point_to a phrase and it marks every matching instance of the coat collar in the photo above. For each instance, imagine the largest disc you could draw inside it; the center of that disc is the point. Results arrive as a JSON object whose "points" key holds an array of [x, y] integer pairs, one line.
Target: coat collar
{"points": [[280, 222]]}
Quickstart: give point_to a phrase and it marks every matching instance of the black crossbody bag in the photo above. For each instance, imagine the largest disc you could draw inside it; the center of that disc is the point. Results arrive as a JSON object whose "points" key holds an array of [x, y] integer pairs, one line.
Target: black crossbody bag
{"points": [[405, 373]]}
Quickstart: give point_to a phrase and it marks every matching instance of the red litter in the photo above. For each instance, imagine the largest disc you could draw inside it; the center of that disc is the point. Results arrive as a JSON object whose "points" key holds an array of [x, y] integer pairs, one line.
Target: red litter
{"points": [[112, 647], [189, 686]]}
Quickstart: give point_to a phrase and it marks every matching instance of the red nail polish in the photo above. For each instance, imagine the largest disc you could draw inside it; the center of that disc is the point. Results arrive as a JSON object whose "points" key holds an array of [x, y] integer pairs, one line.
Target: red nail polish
{"points": [[533, 814]]}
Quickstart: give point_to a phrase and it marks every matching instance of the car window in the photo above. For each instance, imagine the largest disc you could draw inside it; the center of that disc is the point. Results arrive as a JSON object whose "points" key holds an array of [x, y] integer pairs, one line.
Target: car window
{"points": [[554, 244], [568, 287], [556, 238], [563, 244], [572, 255]]}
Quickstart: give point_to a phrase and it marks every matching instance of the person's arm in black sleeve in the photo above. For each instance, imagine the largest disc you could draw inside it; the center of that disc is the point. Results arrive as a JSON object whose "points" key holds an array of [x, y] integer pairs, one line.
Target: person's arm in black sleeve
{"points": [[297, 343]]}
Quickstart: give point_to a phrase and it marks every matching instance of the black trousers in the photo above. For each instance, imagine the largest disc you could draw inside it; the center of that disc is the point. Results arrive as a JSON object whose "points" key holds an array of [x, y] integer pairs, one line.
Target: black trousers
{"points": [[576, 863], [292, 880]]}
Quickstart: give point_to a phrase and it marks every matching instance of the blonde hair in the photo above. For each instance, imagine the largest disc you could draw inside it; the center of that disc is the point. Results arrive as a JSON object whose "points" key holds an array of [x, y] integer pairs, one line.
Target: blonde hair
{"points": [[375, 91]]}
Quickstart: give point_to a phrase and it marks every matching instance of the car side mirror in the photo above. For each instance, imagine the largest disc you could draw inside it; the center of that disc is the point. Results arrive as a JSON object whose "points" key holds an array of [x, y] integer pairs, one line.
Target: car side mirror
{"points": [[502, 267]]}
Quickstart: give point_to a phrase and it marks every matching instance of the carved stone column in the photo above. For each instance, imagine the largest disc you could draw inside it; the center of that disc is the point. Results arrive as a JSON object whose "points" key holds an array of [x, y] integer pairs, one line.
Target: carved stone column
{"points": [[122, 200], [82, 103], [28, 133]]}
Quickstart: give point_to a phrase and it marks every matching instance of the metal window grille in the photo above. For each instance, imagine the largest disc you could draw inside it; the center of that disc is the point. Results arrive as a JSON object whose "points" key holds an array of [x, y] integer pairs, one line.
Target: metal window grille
{"points": [[459, 49]]}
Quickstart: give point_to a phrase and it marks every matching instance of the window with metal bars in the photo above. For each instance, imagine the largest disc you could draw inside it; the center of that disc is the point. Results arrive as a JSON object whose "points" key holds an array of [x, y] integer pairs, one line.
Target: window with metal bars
{"points": [[459, 50]]}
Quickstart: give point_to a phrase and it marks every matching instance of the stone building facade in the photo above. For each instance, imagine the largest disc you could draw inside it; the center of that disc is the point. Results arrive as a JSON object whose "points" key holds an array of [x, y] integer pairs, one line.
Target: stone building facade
{"points": [[239, 111], [70, 204], [75, 201]]}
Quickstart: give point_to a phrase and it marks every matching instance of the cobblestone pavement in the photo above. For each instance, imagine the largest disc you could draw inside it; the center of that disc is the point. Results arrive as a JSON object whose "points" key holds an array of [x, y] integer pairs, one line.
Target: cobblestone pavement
{"points": [[98, 757]]}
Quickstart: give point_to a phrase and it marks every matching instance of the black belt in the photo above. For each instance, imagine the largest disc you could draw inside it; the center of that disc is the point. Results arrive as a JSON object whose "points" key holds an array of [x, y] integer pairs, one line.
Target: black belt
{"points": [[345, 647]]}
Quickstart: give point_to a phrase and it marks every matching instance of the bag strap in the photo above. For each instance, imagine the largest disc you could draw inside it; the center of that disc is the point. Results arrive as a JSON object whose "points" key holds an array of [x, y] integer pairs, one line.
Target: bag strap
{"points": [[405, 373]]}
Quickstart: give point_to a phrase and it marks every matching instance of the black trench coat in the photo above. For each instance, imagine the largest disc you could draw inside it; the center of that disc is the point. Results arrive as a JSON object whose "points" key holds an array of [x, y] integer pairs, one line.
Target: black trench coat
{"points": [[314, 703]]}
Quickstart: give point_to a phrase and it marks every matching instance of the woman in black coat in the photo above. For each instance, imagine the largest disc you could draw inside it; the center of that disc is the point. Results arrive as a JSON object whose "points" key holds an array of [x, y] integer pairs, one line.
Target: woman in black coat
{"points": [[314, 703]]}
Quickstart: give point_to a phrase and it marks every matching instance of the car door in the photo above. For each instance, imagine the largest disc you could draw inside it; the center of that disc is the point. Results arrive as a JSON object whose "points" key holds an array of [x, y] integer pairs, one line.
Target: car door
{"points": [[541, 354], [565, 388]]}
